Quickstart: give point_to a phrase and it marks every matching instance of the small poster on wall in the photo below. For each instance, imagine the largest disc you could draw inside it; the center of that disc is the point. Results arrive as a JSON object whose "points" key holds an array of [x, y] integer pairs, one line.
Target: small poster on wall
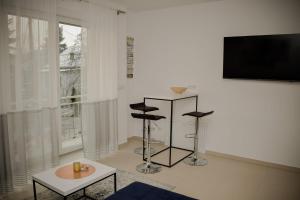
{"points": [[130, 56]]}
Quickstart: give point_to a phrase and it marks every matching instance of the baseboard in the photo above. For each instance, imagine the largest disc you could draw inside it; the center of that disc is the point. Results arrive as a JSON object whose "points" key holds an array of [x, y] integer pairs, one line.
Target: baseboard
{"points": [[253, 161], [239, 158], [137, 138], [122, 145], [122, 142]]}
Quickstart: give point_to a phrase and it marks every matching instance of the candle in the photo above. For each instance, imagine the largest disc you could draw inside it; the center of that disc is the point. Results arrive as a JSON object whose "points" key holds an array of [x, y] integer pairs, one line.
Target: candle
{"points": [[76, 166]]}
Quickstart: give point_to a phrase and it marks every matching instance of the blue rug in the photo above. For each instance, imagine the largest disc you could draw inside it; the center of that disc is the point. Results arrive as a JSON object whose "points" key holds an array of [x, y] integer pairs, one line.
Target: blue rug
{"points": [[141, 191]]}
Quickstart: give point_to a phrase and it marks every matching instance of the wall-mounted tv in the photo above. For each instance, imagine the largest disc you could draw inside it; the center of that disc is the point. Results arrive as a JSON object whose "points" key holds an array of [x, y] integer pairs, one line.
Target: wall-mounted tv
{"points": [[271, 57]]}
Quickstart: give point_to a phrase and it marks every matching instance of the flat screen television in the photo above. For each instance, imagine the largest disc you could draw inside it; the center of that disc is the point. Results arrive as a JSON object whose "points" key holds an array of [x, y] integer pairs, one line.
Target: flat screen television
{"points": [[270, 57]]}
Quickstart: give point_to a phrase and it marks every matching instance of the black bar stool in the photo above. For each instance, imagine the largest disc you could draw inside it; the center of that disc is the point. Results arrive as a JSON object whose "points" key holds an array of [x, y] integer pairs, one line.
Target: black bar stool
{"points": [[194, 159], [144, 109], [148, 167]]}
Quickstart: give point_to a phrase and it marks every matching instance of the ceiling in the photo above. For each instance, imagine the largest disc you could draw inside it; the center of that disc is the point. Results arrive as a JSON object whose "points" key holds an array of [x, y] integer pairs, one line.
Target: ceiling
{"points": [[143, 5]]}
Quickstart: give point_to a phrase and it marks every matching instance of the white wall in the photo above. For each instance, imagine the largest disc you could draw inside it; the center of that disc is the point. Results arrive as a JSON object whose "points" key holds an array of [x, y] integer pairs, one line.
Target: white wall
{"points": [[253, 119]]}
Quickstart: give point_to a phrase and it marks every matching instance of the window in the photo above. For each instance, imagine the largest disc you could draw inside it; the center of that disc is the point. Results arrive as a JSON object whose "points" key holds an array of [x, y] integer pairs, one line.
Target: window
{"points": [[70, 38], [28, 43]]}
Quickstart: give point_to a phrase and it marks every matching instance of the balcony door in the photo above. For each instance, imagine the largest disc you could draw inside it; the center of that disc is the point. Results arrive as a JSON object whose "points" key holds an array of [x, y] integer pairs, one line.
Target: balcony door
{"points": [[70, 57]]}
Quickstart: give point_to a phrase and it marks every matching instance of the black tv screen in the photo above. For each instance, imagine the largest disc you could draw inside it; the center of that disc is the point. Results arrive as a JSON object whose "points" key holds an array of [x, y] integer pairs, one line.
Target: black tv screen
{"points": [[273, 57]]}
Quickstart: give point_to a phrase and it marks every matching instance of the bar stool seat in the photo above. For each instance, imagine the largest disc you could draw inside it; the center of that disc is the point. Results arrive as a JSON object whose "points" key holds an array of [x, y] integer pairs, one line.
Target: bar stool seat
{"points": [[147, 116], [148, 167], [142, 107], [198, 114]]}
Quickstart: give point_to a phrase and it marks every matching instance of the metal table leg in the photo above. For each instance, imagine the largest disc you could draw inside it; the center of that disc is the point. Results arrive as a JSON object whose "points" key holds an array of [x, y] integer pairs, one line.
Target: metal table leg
{"points": [[34, 190], [115, 182]]}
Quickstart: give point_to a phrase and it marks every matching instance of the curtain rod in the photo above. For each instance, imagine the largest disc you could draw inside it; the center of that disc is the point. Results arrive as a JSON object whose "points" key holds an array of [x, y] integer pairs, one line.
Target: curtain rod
{"points": [[117, 10]]}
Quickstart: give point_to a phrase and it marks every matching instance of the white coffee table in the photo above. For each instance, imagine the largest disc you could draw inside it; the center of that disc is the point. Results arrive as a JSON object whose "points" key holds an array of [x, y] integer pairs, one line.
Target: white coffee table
{"points": [[66, 187]]}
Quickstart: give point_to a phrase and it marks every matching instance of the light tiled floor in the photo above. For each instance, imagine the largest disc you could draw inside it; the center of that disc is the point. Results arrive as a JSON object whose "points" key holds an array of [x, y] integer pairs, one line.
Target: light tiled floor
{"points": [[221, 179]]}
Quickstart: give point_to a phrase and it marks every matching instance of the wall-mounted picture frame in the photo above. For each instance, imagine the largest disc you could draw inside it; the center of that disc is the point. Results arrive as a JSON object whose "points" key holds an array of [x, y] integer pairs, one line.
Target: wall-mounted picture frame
{"points": [[130, 56]]}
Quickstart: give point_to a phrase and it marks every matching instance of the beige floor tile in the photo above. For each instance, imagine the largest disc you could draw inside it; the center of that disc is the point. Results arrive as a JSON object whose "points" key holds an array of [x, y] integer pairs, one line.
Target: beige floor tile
{"points": [[221, 179]]}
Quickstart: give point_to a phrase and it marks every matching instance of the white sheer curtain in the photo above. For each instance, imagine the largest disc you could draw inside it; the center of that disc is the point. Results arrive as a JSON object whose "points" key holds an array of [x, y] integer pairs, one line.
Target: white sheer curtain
{"points": [[99, 82], [28, 90]]}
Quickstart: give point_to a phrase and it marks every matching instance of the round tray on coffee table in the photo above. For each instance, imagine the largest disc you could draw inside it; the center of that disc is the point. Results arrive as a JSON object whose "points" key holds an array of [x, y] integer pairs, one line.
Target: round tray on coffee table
{"points": [[67, 172]]}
